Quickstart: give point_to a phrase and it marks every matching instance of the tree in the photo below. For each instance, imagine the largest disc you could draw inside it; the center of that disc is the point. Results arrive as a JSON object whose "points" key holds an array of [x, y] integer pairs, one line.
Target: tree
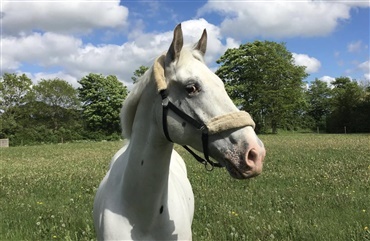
{"points": [[261, 78], [57, 92], [102, 99], [13, 90], [56, 100], [138, 73], [45, 112], [361, 113], [14, 93], [347, 96], [318, 96]]}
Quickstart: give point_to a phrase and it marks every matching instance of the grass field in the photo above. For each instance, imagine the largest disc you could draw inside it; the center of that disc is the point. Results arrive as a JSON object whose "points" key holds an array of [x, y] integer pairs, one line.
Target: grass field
{"points": [[313, 187]]}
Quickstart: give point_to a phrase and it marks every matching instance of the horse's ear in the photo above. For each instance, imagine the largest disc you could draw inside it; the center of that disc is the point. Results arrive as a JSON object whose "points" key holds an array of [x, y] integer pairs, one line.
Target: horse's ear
{"points": [[202, 43], [173, 52]]}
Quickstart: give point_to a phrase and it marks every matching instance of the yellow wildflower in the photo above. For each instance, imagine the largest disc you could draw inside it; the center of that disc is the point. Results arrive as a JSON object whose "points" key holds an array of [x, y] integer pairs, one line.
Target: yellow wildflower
{"points": [[234, 213]]}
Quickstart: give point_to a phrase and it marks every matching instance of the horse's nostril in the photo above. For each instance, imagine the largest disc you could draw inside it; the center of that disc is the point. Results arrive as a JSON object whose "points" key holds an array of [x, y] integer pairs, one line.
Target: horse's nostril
{"points": [[254, 161], [252, 156]]}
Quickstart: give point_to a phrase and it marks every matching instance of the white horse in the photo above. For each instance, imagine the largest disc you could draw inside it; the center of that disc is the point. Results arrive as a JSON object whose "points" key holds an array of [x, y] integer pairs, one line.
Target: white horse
{"points": [[146, 194]]}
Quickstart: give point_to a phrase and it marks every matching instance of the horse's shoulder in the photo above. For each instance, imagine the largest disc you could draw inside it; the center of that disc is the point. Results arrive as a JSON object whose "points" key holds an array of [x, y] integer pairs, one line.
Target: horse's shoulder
{"points": [[177, 164], [118, 155]]}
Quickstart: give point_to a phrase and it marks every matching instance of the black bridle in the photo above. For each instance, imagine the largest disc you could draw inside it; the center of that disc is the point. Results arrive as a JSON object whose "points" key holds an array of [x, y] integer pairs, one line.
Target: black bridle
{"points": [[168, 105]]}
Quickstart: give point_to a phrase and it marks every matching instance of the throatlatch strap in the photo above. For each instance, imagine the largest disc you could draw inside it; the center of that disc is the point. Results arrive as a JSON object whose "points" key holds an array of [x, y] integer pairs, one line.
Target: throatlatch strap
{"points": [[201, 160]]}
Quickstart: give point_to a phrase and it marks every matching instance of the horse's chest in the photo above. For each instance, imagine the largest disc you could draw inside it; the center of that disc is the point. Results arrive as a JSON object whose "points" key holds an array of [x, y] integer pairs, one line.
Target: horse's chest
{"points": [[171, 221], [133, 211]]}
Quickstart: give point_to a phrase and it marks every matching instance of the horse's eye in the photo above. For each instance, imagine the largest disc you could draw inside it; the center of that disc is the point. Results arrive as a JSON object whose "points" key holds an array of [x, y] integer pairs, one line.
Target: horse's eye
{"points": [[192, 89]]}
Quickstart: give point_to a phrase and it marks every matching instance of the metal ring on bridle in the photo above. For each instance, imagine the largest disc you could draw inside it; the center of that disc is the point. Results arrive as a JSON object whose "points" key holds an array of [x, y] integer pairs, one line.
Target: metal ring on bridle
{"points": [[206, 164]]}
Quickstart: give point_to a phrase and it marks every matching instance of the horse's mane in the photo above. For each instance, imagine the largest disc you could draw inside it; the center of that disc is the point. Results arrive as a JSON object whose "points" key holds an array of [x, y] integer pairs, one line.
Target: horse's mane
{"points": [[130, 104]]}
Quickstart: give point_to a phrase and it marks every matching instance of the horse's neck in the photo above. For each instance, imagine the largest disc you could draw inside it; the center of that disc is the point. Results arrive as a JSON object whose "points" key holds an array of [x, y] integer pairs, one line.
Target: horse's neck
{"points": [[148, 160]]}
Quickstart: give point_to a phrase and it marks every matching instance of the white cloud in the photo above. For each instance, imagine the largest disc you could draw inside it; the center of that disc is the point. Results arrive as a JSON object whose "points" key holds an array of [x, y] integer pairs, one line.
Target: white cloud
{"points": [[355, 3], [45, 49], [360, 70], [75, 59], [119, 60], [61, 16], [193, 29], [60, 75], [232, 43], [277, 18], [354, 46], [365, 68], [312, 64], [328, 80], [367, 76], [72, 56], [142, 49]]}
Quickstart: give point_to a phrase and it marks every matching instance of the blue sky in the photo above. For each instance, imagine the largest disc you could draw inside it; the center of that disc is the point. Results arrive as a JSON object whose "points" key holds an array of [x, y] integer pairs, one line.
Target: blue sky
{"points": [[69, 39]]}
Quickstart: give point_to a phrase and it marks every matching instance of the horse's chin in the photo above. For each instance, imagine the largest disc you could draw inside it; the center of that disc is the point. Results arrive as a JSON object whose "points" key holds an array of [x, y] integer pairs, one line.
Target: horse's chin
{"points": [[238, 173]]}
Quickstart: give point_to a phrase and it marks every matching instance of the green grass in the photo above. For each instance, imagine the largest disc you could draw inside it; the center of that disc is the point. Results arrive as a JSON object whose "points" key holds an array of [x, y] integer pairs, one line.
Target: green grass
{"points": [[313, 187]]}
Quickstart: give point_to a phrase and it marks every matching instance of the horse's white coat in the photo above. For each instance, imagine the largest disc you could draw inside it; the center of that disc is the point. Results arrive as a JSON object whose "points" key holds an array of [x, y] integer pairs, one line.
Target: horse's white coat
{"points": [[146, 194]]}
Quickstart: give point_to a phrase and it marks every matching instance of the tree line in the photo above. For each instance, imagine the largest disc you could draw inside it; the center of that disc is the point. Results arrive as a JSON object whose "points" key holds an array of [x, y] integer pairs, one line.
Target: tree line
{"points": [[260, 77], [53, 111]]}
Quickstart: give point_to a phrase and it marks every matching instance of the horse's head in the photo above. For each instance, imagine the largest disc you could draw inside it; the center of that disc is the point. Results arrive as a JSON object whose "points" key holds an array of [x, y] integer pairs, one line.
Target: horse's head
{"points": [[190, 86]]}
